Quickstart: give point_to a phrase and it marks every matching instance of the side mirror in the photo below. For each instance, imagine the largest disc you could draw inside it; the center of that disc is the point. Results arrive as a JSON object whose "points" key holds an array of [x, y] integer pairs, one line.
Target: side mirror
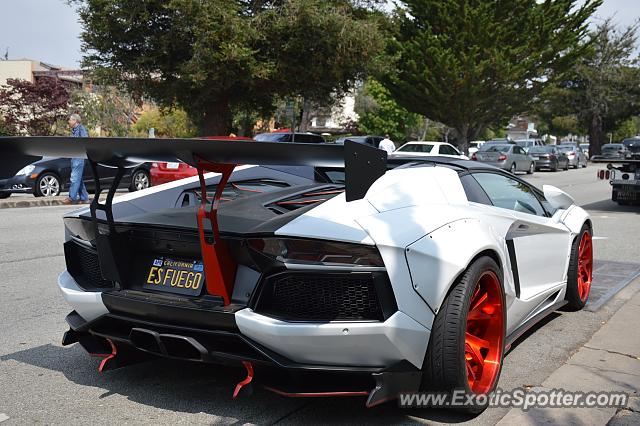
{"points": [[557, 197]]}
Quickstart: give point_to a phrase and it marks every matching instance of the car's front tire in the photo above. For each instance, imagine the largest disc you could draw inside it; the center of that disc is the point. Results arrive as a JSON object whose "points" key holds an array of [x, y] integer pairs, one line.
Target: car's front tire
{"points": [[580, 273], [47, 185], [466, 346]]}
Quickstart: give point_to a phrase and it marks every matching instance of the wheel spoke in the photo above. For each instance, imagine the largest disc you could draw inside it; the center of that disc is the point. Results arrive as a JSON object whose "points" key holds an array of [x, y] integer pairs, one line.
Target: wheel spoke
{"points": [[475, 304]]}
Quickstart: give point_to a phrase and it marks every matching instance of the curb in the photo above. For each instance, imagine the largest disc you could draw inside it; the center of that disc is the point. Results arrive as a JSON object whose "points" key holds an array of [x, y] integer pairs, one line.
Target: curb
{"points": [[34, 202]]}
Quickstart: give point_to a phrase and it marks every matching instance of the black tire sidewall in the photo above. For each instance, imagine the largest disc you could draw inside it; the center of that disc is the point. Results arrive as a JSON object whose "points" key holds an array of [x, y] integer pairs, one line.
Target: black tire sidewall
{"points": [[132, 186], [444, 368], [572, 296]]}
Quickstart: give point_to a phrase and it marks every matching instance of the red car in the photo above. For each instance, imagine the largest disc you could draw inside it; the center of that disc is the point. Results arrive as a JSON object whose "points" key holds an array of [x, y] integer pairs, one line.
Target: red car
{"points": [[168, 172]]}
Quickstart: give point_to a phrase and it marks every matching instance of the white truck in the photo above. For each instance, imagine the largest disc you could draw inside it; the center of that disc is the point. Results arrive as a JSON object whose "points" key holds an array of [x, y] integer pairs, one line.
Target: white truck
{"points": [[624, 177]]}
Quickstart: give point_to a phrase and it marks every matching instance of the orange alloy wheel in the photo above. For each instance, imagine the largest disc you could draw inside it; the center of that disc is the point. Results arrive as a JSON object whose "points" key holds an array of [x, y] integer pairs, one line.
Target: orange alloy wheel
{"points": [[585, 266], [484, 334]]}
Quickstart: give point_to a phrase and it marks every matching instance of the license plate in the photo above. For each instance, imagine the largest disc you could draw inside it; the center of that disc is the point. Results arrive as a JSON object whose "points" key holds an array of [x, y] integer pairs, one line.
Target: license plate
{"points": [[173, 166], [535, 158], [176, 276]]}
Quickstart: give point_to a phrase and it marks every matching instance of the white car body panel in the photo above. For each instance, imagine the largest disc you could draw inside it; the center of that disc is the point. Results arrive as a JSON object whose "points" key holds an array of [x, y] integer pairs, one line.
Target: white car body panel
{"points": [[88, 304], [340, 343]]}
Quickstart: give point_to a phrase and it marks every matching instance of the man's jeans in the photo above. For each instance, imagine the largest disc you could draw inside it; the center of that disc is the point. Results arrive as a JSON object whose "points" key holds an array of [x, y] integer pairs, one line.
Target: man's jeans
{"points": [[77, 191]]}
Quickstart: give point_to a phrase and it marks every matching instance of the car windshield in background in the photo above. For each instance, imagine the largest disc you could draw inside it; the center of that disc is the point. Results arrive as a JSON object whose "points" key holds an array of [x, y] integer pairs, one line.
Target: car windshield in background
{"points": [[540, 149], [525, 144], [269, 137], [612, 147], [497, 148], [416, 147]]}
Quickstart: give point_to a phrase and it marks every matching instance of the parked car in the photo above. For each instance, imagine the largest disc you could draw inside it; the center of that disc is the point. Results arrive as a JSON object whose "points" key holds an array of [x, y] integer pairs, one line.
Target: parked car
{"points": [[632, 144], [289, 137], [508, 157], [428, 148], [369, 140], [549, 157], [168, 172], [528, 143], [585, 148], [615, 150], [474, 146], [574, 154], [50, 176]]}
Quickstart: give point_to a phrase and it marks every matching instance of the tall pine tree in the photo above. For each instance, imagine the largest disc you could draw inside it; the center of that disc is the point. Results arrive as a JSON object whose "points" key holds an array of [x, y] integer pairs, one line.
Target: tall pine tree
{"points": [[471, 64]]}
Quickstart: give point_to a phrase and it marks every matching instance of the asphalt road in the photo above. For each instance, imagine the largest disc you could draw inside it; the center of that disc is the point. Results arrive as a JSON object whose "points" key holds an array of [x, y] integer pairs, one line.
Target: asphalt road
{"points": [[43, 382]]}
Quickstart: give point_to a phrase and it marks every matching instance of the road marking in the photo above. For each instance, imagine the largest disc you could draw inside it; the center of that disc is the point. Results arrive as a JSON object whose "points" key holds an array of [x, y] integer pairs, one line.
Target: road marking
{"points": [[3, 417]]}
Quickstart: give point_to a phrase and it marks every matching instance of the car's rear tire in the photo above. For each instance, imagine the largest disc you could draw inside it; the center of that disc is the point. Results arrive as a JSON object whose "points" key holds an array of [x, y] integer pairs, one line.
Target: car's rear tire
{"points": [[580, 272], [5, 195], [512, 169], [567, 166], [140, 180], [466, 345], [47, 185], [532, 168]]}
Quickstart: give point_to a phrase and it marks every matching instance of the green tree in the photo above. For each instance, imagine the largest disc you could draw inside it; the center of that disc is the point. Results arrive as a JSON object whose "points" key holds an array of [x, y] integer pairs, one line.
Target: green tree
{"points": [[473, 64], [602, 90], [214, 58], [166, 123], [628, 128], [380, 114], [105, 111]]}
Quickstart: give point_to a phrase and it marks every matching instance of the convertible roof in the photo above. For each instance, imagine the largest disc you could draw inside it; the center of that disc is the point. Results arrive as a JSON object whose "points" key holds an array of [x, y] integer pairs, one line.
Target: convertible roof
{"points": [[363, 164]]}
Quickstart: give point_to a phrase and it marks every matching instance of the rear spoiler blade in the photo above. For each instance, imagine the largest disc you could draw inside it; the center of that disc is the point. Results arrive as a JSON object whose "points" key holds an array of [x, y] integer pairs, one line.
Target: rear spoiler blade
{"points": [[363, 164]]}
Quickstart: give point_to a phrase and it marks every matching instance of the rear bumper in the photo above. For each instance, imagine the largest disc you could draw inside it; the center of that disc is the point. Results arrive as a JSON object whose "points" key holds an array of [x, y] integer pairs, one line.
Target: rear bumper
{"points": [[345, 344], [545, 164]]}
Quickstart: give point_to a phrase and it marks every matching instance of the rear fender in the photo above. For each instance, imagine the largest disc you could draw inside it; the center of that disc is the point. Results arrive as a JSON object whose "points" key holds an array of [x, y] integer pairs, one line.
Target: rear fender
{"points": [[439, 258]]}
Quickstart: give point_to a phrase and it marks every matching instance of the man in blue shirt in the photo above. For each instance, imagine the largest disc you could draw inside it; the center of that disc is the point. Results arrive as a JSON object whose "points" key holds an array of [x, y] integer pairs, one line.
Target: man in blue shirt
{"points": [[77, 191]]}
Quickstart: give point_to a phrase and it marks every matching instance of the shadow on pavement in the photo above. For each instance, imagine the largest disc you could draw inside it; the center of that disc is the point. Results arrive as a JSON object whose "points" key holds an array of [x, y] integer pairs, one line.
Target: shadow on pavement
{"points": [[610, 206], [194, 388]]}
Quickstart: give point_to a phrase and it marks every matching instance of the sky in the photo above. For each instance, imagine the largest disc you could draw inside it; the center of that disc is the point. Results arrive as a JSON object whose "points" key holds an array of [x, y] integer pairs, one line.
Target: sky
{"points": [[48, 30]]}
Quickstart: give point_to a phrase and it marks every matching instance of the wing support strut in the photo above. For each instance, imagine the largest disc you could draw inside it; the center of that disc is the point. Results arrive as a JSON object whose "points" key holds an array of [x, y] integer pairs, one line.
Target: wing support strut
{"points": [[219, 268], [113, 250]]}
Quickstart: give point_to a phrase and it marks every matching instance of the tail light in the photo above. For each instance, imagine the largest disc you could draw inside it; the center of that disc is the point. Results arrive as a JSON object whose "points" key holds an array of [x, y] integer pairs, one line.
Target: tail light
{"points": [[474, 157], [607, 174], [316, 252], [571, 153], [620, 151], [502, 157]]}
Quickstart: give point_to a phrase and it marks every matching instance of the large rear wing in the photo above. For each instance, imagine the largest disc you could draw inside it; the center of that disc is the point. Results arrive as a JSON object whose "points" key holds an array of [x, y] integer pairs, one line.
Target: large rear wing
{"points": [[363, 164]]}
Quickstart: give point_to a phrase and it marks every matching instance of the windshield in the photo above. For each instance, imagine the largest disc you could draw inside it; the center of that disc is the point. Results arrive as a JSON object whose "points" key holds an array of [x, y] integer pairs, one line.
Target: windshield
{"points": [[415, 147], [497, 148], [540, 149], [524, 144], [612, 147], [632, 144]]}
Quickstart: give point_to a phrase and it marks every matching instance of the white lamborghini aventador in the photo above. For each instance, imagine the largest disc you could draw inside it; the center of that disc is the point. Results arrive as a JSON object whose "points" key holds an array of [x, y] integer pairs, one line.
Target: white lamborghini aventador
{"points": [[419, 277]]}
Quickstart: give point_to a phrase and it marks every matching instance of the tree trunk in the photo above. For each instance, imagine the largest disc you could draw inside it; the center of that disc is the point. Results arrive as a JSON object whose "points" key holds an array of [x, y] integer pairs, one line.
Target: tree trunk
{"points": [[596, 135], [463, 138], [306, 112], [217, 119]]}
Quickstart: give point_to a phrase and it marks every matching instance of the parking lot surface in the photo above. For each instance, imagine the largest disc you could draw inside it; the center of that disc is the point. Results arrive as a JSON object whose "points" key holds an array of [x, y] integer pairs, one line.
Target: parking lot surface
{"points": [[43, 382]]}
